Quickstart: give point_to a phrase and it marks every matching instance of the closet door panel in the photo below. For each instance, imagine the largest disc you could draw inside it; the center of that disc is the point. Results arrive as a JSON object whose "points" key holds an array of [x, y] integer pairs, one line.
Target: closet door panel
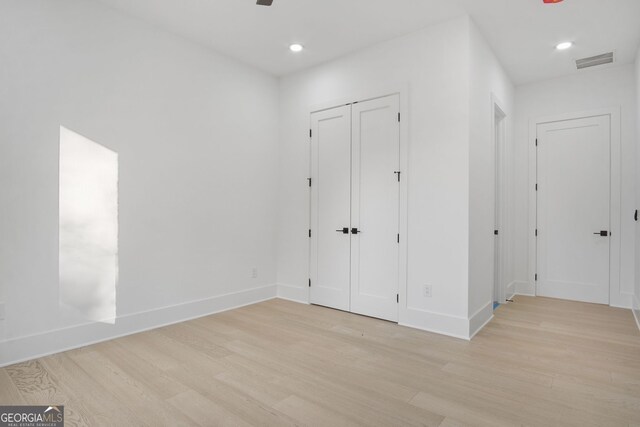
{"points": [[330, 207], [375, 207]]}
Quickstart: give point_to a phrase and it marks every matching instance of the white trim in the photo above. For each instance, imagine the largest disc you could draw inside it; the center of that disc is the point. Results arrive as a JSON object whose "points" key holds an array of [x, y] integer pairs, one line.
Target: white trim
{"points": [[30, 347], [443, 324], [60, 340], [616, 297], [622, 300], [403, 219], [501, 186], [452, 326], [527, 289], [293, 293], [636, 310], [402, 89], [533, 205], [480, 319], [510, 290]]}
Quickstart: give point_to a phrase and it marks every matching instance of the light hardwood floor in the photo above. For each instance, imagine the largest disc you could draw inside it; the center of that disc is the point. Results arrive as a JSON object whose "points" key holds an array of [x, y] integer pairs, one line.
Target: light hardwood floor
{"points": [[540, 362]]}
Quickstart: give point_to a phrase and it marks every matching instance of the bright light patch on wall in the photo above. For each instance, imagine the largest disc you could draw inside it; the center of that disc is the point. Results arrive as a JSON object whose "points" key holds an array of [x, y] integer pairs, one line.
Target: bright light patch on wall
{"points": [[88, 251], [564, 45]]}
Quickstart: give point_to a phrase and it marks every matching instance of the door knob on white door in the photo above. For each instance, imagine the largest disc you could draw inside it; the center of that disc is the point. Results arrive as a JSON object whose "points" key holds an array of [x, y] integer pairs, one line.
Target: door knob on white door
{"points": [[602, 233], [345, 230]]}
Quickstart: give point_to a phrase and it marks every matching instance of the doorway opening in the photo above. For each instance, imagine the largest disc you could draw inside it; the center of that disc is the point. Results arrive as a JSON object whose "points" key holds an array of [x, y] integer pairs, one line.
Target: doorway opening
{"points": [[499, 136]]}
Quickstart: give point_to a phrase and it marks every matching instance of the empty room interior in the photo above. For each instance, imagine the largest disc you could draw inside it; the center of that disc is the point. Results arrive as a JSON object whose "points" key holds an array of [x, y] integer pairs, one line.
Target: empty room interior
{"points": [[319, 213]]}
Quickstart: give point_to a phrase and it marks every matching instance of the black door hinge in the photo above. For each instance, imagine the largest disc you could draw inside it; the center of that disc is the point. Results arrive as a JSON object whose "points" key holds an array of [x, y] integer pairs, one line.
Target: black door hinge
{"points": [[309, 282], [536, 187], [310, 133], [398, 237], [536, 142], [495, 232], [536, 277], [636, 215], [398, 298], [398, 117], [309, 179], [536, 232], [309, 232], [398, 173]]}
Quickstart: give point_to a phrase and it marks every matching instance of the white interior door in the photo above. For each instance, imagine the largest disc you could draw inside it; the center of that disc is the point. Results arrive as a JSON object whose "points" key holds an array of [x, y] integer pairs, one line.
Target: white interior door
{"points": [[330, 207], [574, 174], [375, 207]]}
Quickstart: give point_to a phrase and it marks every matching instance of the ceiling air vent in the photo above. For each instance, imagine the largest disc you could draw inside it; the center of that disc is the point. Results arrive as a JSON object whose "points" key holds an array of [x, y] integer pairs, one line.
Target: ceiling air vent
{"points": [[606, 58]]}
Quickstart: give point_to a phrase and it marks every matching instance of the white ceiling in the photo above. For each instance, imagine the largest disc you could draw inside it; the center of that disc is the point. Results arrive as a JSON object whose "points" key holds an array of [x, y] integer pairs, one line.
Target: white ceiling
{"points": [[523, 33], [261, 36]]}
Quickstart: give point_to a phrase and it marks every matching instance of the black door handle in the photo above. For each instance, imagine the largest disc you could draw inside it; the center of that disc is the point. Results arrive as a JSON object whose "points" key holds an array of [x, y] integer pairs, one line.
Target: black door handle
{"points": [[602, 233], [355, 231], [345, 230]]}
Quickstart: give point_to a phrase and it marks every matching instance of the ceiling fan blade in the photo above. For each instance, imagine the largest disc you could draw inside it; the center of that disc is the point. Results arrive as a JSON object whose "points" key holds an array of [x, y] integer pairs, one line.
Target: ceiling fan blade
{"points": [[264, 2]]}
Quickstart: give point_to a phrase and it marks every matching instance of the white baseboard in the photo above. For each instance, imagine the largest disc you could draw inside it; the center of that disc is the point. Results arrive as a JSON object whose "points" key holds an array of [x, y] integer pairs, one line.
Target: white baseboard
{"points": [[529, 289], [621, 300], [524, 288], [510, 290], [43, 344], [636, 310], [30, 347], [293, 293], [480, 319], [443, 324]]}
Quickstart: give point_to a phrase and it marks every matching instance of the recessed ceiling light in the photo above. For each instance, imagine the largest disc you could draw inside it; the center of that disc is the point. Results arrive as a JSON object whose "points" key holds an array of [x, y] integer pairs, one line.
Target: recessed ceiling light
{"points": [[564, 45], [296, 47]]}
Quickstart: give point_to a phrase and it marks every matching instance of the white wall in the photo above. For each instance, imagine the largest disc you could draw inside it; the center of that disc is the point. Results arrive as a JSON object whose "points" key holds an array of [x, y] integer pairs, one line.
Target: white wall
{"points": [[588, 90], [488, 79], [636, 302], [433, 64], [437, 71], [196, 135]]}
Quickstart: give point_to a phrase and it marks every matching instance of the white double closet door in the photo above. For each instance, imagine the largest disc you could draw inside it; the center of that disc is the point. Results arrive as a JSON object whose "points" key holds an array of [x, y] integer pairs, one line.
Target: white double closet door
{"points": [[355, 160]]}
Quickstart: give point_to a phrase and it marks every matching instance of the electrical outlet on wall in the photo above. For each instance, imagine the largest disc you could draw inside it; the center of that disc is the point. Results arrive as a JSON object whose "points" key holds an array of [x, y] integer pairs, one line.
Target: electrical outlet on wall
{"points": [[427, 291], [1, 311], [254, 273]]}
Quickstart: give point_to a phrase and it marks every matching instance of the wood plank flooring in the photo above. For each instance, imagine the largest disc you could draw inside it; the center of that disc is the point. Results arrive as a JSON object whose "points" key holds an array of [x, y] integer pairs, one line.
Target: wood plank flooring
{"points": [[540, 362]]}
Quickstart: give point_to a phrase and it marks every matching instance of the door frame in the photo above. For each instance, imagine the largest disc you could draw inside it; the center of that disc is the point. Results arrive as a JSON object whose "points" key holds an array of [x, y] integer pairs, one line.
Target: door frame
{"points": [[501, 196], [615, 203], [402, 90]]}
